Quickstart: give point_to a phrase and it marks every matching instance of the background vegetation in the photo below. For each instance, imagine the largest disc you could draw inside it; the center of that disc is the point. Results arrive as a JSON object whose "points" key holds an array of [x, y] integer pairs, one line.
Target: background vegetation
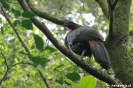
{"points": [[28, 59]]}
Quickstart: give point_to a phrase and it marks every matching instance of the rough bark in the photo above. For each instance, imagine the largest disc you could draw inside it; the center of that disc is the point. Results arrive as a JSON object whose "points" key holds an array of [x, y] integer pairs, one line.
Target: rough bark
{"points": [[117, 43]]}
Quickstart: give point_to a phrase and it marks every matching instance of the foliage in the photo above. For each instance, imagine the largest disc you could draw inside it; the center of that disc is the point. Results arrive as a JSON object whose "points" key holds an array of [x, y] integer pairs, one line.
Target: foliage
{"points": [[18, 69]]}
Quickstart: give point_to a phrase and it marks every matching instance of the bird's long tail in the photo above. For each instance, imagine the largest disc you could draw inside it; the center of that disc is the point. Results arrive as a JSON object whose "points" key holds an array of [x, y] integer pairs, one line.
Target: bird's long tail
{"points": [[100, 54]]}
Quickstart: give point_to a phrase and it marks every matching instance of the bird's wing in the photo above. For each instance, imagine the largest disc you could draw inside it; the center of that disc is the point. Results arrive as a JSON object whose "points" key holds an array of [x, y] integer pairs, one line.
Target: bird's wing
{"points": [[100, 54], [84, 34]]}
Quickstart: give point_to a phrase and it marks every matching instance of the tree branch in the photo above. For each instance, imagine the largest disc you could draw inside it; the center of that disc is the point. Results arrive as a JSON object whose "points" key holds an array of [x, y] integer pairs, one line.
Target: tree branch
{"points": [[6, 69], [4, 59], [44, 79], [114, 4], [104, 7], [25, 47], [111, 16], [100, 75], [46, 15]]}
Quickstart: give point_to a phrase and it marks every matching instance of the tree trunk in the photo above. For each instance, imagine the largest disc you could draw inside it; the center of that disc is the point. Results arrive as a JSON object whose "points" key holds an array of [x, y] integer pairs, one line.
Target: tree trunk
{"points": [[117, 43]]}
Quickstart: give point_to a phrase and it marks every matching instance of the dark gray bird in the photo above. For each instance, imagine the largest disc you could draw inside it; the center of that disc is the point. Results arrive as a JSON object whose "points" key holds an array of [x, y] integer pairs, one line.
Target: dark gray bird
{"points": [[86, 41]]}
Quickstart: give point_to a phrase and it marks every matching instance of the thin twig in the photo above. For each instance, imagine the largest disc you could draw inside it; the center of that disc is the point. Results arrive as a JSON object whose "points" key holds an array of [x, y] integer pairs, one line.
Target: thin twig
{"points": [[7, 68], [44, 78], [2, 79], [4, 76], [4, 58], [24, 45]]}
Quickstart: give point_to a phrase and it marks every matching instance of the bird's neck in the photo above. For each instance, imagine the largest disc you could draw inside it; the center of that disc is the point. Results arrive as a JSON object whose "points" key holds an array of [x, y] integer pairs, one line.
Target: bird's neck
{"points": [[70, 29]]}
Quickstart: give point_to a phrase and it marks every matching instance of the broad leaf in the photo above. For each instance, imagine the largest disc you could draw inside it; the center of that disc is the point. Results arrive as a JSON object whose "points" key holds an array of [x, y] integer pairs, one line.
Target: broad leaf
{"points": [[27, 24], [17, 13], [16, 22], [39, 42], [5, 4], [39, 60], [28, 14], [87, 82], [73, 76]]}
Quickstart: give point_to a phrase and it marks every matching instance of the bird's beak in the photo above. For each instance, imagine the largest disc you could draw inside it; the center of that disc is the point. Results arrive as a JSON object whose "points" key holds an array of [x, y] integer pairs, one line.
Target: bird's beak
{"points": [[65, 25]]}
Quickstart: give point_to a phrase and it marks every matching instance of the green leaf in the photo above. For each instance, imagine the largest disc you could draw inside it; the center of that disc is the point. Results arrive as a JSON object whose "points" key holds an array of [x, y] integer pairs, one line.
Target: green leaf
{"points": [[103, 83], [87, 82], [73, 76], [17, 13], [50, 49], [16, 22], [60, 80], [39, 60], [2, 30], [69, 82], [5, 4], [28, 14], [27, 24], [39, 42]]}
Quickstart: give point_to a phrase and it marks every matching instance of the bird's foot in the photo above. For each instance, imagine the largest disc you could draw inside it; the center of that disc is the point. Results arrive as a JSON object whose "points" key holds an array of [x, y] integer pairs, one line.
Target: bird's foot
{"points": [[89, 61], [81, 57]]}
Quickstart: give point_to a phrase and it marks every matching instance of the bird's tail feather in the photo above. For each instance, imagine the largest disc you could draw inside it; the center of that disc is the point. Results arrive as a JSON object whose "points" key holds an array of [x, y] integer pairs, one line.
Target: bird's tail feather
{"points": [[100, 54]]}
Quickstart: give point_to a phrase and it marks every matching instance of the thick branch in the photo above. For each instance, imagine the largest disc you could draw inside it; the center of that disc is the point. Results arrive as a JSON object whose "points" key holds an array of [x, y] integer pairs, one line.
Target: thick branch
{"points": [[118, 42], [46, 15], [104, 7], [100, 75]]}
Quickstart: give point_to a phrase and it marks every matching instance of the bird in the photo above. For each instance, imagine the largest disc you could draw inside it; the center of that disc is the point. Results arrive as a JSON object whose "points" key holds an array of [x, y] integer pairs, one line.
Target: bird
{"points": [[87, 41]]}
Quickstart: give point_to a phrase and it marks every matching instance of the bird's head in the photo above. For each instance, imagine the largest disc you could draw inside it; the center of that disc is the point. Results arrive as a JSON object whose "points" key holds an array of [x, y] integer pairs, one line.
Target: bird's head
{"points": [[70, 25]]}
